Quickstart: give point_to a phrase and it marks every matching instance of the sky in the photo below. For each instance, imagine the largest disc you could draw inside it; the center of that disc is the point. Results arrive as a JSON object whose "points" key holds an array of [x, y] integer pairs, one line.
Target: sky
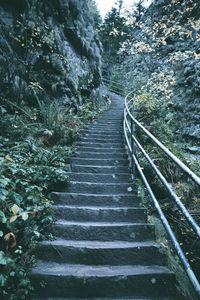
{"points": [[105, 5]]}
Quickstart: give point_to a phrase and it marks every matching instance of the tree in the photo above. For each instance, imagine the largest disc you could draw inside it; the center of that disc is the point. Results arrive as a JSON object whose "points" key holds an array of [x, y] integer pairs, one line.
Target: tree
{"points": [[113, 33], [95, 13], [120, 4], [138, 9]]}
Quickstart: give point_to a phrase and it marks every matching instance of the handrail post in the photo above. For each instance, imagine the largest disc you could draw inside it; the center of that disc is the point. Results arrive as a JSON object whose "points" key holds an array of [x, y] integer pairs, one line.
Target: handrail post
{"points": [[132, 148]]}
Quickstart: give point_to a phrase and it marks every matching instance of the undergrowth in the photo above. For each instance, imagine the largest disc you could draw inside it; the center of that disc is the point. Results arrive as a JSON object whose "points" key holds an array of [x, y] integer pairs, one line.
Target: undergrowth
{"points": [[35, 145], [155, 116]]}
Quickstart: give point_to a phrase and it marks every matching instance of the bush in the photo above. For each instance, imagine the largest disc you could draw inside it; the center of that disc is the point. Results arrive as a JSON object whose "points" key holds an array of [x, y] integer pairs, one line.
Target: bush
{"points": [[35, 146], [25, 211], [152, 113]]}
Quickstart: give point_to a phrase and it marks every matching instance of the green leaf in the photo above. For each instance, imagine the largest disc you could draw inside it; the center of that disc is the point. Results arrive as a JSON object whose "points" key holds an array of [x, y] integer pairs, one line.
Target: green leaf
{"points": [[13, 219], [24, 216], [2, 280], [2, 258], [4, 181], [36, 233], [1, 233], [4, 192], [15, 209], [3, 218]]}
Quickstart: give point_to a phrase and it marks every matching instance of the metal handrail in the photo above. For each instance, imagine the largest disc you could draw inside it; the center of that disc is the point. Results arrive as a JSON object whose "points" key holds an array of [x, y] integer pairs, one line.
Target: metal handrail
{"points": [[131, 141], [114, 86]]}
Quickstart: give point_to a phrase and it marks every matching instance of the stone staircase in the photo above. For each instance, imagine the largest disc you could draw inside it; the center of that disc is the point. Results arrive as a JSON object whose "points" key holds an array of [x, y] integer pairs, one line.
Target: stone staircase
{"points": [[105, 249]]}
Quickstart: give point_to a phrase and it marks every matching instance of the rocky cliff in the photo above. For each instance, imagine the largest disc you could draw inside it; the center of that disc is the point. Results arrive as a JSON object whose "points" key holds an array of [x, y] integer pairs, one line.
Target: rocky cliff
{"points": [[48, 48], [163, 58]]}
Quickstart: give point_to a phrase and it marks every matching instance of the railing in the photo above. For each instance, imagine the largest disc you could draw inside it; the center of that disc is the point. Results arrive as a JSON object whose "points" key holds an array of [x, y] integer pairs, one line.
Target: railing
{"points": [[114, 87], [129, 125]]}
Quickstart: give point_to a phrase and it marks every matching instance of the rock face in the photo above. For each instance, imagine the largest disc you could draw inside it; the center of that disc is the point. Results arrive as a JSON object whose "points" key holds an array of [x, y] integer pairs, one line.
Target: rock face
{"points": [[49, 47], [164, 58]]}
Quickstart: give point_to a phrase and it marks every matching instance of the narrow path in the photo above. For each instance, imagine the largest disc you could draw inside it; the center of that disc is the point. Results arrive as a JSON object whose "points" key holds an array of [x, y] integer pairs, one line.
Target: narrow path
{"points": [[104, 248]]}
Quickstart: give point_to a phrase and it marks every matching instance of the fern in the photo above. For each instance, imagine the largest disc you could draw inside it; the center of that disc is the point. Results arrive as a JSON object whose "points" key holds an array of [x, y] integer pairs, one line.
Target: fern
{"points": [[23, 110]]}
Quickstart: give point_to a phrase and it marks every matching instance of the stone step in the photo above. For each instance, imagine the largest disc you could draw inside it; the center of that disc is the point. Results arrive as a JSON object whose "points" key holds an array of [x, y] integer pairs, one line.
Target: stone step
{"points": [[103, 136], [124, 298], [68, 280], [103, 178], [109, 118], [100, 162], [100, 253], [95, 200], [98, 169], [106, 120], [100, 214], [101, 133], [113, 114], [105, 140], [103, 150], [103, 231], [101, 145], [107, 126], [99, 188], [92, 155]]}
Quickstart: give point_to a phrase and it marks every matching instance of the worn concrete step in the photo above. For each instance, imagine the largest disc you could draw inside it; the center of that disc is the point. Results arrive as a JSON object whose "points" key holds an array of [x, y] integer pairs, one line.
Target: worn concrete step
{"points": [[92, 155], [100, 253], [103, 136], [101, 145], [106, 120], [103, 178], [103, 231], [108, 132], [99, 169], [103, 150], [112, 118], [100, 214], [99, 188], [107, 126], [101, 133], [68, 280], [99, 162], [113, 111], [124, 298], [105, 140], [95, 200], [113, 114]]}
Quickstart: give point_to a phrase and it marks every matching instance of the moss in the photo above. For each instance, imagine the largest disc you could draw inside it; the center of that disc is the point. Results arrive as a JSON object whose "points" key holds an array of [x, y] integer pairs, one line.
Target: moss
{"points": [[49, 47]]}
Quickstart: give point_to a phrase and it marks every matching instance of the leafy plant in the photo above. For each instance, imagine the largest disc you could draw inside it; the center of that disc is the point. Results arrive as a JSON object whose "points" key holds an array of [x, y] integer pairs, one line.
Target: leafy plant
{"points": [[35, 147], [151, 112]]}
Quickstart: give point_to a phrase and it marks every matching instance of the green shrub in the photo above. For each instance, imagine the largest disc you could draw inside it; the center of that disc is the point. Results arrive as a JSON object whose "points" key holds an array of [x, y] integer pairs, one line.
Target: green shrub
{"points": [[152, 113], [35, 146]]}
